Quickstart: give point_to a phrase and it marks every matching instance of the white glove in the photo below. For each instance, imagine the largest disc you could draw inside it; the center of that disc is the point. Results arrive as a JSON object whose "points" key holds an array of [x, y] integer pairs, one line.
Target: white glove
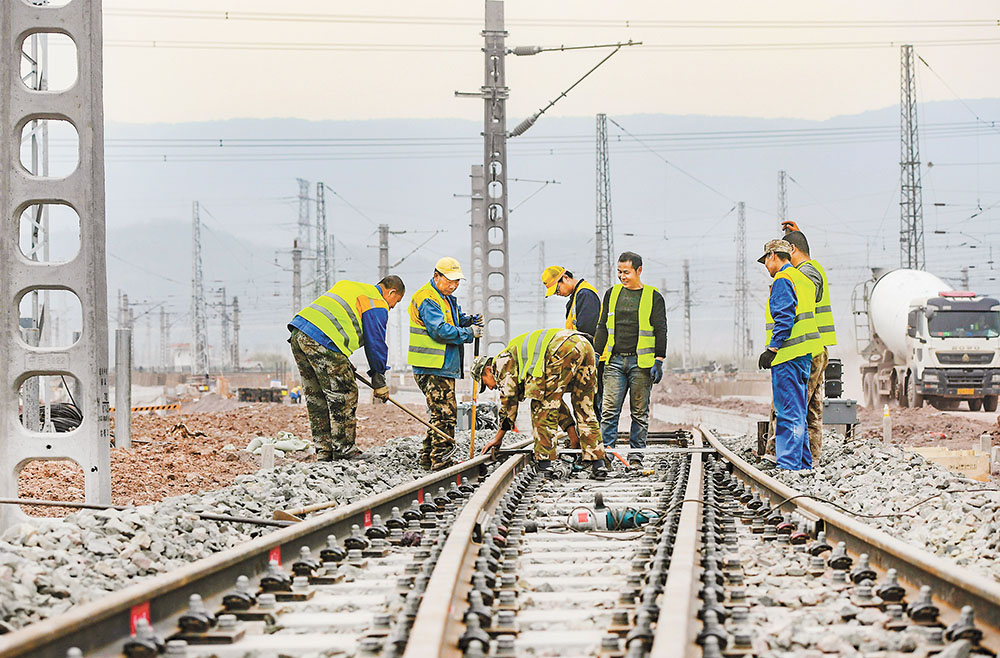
{"points": [[477, 331]]}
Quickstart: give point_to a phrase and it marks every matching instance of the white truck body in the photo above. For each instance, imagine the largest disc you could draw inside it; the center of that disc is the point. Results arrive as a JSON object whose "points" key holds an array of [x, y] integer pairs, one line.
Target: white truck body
{"points": [[928, 341]]}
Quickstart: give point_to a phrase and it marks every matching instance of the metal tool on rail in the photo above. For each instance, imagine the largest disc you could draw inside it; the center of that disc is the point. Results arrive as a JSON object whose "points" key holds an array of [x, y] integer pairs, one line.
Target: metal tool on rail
{"points": [[417, 418]]}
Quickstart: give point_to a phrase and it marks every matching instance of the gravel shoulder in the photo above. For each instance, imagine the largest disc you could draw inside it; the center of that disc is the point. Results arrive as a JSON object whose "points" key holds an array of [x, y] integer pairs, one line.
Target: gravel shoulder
{"points": [[961, 521]]}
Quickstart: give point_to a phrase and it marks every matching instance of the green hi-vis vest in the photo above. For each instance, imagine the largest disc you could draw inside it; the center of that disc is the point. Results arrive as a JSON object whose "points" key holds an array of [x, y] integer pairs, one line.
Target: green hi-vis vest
{"points": [[571, 316], [530, 351], [425, 352], [645, 349], [337, 313], [824, 311], [804, 338]]}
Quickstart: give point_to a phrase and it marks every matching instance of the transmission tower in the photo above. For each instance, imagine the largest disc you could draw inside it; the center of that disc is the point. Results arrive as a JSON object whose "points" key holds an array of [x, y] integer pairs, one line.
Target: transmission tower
{"points": [[303, 213], [322, 281], [741, 327], [199, 310], [236, 333], [227, 349], [164, 340], [911, 209], [383, 251], [782, 197], [604, 239], [686, 354]]}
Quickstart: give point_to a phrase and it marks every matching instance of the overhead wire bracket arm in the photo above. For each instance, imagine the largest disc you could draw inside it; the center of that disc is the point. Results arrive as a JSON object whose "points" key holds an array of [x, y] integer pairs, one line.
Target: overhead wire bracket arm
{"points": [[530, 121]]}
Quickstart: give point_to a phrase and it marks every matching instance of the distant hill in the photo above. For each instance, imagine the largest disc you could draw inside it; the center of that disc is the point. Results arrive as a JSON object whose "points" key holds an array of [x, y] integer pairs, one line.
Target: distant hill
{"points": [[413, 176]]}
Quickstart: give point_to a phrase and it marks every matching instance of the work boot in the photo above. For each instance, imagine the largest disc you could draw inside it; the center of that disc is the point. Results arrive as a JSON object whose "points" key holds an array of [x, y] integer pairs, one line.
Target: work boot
{"points": [[425, 461], [597, 470], [355, 454], [324, 456]]}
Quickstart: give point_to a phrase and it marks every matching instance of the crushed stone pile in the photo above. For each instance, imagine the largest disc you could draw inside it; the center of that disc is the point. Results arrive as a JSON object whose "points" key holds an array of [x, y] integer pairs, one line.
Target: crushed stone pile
{"points": [[869, 477], [48, 566]]}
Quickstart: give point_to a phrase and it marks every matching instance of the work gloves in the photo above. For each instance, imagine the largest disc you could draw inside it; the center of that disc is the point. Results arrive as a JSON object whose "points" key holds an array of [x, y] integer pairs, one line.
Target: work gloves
{"points": [[766, 357], [380, 391], [656, 372], [477, 331], [477, 319]]}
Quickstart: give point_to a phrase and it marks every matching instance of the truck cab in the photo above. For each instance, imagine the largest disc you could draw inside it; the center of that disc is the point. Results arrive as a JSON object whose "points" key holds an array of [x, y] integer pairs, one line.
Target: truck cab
{"points": [[953, 341]]}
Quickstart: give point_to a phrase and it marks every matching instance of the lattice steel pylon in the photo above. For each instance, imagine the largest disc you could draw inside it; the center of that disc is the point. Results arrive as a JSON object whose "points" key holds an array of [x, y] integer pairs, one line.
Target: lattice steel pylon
{"points": [[199, 310], [604, 239], [322, 280], [911, 208], [782, 196], [741, 325]]}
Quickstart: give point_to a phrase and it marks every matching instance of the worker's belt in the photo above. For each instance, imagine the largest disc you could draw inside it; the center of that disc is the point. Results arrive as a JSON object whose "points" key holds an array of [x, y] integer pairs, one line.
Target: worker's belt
{"points": [[623, 354]]}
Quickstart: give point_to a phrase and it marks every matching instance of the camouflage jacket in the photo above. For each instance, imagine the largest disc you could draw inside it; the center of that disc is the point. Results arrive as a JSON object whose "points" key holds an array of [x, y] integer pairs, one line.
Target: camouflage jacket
{"points": [[513, 391]]}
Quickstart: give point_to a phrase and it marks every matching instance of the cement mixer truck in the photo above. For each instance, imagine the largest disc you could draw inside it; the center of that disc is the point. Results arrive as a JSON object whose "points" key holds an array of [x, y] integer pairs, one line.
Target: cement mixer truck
{"points": [[920, 340]]}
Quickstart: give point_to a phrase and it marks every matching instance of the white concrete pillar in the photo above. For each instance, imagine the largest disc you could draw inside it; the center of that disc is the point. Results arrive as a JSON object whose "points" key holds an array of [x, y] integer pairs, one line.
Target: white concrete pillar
{"points": [[123, 388]]}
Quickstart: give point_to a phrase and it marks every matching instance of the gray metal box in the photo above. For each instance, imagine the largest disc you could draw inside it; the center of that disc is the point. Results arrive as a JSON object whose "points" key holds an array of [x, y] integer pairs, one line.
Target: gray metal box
{"points": [[840, 411]]}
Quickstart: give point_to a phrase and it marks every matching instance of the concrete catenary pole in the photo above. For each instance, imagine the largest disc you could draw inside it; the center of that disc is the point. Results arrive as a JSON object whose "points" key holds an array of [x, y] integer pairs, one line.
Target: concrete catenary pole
{"points": [[911, 208], [604, 240], [496, 264], [296, 277], [686, 354], [165, 362], [236, 333], [304, 211], [741, 326], [383, 251], [227, 350], [540, 311], [123, 388], [782, 196]]}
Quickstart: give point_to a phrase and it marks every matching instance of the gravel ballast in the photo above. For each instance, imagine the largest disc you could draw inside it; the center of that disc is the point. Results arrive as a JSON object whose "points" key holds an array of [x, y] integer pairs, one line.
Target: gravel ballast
{"points": [[868, 477], [48, 566]]}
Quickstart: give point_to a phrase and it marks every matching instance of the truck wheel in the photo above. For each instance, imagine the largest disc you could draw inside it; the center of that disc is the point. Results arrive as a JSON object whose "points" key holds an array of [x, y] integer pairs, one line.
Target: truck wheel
{"points": [[975, 405], [914, 399], [990, 403], [901, 395], [868, 389]]}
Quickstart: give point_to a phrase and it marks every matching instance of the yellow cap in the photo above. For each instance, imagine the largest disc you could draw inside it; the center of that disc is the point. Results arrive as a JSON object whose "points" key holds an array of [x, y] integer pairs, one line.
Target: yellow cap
{"points": [[550, 278], [449, 269]]}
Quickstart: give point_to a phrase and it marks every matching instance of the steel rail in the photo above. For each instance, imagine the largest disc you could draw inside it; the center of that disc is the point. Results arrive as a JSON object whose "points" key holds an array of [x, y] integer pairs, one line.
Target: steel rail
{"points": [[675, 627], [951, 585], [105, 623], [441, 616]]}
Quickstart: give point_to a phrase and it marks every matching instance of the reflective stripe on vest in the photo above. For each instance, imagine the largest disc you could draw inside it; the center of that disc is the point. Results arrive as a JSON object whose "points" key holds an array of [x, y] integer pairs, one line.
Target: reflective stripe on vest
{"points": [[424, 351], [645, 348], [337, 313], [805, 336], [824, 310], [530, 350], [571, 316]]}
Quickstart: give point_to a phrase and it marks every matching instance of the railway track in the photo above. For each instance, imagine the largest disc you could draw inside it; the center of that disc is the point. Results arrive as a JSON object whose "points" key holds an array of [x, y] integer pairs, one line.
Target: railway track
{"points": [[700, 554]]}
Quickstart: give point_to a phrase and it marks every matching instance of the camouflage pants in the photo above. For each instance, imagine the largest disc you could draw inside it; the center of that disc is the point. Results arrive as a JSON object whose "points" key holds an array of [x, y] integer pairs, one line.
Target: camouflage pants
{"points": [[331, 395], [571, 369], [814, 409], [443, 411]]}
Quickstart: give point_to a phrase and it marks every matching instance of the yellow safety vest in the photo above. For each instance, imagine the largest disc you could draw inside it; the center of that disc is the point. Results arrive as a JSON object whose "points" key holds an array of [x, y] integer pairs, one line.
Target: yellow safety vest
{"points": [[804, 339], [337, 313], [645, 349], [824, 310], [571, 316], [530, 349], [425, 352]]}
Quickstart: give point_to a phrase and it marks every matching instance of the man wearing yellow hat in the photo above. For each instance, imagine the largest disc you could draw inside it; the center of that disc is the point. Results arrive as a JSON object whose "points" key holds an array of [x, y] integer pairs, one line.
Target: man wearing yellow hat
{"points": [[438, 329], [583, 309]]}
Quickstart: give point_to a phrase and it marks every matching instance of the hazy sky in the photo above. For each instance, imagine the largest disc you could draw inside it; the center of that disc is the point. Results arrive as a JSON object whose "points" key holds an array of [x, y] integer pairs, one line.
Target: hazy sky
{"points": [[356, 60]]}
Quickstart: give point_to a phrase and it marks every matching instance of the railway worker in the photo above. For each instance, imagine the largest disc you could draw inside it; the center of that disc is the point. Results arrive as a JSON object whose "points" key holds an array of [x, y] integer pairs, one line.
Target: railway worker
{"points": [[542, 366], [324, 334], [803, 262], [632, 341], [792, 339], [438, 329], [583, 310]]}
